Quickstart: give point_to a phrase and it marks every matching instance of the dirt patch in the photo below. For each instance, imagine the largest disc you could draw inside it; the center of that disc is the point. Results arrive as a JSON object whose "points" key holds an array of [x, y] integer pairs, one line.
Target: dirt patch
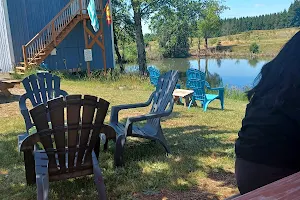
{"points": [[9, 106]]}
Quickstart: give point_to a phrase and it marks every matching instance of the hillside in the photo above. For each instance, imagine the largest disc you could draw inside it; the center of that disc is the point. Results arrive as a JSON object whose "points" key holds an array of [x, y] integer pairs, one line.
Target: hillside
{"points": [[269, 41]]}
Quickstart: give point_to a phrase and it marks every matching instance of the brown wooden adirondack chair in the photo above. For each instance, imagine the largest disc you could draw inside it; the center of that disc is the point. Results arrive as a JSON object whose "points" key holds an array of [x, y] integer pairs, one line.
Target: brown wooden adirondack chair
{"points": [[162, 106], [71, 153]]}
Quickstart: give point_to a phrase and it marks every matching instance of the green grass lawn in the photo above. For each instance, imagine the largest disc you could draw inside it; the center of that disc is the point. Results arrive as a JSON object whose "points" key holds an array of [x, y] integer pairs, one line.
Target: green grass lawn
{"points": [[201, 165]]}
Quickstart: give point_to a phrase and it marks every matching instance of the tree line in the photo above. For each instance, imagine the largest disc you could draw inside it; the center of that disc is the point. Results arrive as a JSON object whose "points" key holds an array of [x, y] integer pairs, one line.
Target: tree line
{"points": [[285, 19], [175, 23]]}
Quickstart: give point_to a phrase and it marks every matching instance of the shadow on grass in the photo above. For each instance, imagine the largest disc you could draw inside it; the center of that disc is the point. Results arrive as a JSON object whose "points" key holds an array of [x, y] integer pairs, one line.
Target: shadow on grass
{"points": [[148, 173], [218, 174], [188, 146], [12, 98]]}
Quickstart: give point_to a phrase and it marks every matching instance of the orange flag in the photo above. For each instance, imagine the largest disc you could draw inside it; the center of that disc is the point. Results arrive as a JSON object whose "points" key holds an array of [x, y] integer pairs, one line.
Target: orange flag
{"points": [[108, 15]]}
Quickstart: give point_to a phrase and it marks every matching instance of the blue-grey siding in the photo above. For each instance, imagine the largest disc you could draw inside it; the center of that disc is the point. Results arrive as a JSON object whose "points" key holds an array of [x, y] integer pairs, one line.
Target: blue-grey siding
{"points": [[6, 60], [28, 17]]}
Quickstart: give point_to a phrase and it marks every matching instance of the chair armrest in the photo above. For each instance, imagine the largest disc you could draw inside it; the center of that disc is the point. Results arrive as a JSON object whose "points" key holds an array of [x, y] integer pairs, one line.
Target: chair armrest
{"points": [[21, 138], [28, 142], [216, 89], [25, 112], [114, 117], [131, 120], [63, 93]]}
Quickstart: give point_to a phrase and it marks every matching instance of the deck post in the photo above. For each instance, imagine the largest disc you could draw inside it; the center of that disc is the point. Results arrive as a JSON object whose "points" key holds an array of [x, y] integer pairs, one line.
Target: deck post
{"points": [[80, 7], [25, 56], [88, 64]]}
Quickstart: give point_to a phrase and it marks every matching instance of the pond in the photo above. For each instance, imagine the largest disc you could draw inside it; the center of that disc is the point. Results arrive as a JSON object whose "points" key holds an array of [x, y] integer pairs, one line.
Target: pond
{"points": [[228, 72]]}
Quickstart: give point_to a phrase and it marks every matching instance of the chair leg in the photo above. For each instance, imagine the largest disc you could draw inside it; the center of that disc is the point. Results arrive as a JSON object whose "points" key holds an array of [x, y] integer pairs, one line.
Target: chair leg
{"points": [[42, 177], [98, 178], [191, 102], [42, 186], [29, 167], [97, 148], [161, 138], [222, 104], [205, 105], [119, 151]]}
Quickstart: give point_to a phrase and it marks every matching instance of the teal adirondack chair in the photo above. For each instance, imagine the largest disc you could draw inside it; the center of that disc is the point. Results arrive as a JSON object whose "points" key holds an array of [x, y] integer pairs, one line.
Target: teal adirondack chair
{"points": [[199, 93], [196, 81], [154, 74]]}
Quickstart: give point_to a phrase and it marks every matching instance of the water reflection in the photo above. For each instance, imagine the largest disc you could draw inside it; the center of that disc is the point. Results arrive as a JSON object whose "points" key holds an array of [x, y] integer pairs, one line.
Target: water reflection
{"points": [[229, 72], [253, 62]]}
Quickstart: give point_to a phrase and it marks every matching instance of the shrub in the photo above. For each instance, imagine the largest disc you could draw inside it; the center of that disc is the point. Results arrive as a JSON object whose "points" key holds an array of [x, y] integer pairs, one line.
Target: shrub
{"points": [[254, 48], [214, 41]]}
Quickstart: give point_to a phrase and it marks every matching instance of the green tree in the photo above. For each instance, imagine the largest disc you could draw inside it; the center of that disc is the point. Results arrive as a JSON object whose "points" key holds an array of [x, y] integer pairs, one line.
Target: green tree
{"points": [[294, 14], [123, 28], [142, 9], [173, 24], [211, 22]]}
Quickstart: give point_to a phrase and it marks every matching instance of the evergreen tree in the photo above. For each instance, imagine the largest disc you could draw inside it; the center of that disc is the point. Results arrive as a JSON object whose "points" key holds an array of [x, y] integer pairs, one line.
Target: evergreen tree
{"points": [[285, 19]]}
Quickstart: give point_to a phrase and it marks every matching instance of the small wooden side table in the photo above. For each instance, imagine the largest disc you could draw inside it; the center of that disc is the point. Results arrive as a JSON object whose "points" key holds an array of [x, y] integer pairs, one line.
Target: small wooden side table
{"points": [[186, 94], [6, 84]]}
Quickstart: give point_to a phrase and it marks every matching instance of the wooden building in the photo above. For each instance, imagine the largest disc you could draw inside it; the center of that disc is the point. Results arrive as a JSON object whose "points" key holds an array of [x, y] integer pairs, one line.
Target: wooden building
{"points": [[55, 33]]}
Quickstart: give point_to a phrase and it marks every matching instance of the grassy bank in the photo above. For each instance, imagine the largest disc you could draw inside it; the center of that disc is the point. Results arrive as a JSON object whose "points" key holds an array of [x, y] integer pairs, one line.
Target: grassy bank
{"points": [[269, 41], [201, 165]]}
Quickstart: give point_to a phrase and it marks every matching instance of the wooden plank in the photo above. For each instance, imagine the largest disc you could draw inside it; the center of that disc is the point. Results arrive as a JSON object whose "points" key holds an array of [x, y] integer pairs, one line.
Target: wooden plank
{"points": [[6, 84], [40, 119], [102, 108], [89, 106], [102, 44], [86, 41], [286, 188], [73, 119], [56, 110]]}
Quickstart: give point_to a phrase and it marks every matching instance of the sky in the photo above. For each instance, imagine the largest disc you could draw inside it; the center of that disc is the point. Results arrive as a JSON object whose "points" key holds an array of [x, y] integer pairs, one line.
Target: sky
{"points": [[243, 8]]}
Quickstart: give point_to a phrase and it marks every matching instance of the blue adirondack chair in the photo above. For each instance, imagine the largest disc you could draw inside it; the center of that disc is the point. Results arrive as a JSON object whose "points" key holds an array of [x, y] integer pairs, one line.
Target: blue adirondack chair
{"points": [[154, 74], [199, 87], [39, 89], [162, 106]]}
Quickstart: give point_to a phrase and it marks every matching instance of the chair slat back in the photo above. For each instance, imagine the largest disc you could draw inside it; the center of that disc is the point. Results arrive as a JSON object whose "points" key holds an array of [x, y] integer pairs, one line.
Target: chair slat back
{"points": [[154, 74], [89, 105], [40, 117], [199, 88], [76, 140], [193, 74], [73, 123], [56, 111], [41, 87], [164, 91]]}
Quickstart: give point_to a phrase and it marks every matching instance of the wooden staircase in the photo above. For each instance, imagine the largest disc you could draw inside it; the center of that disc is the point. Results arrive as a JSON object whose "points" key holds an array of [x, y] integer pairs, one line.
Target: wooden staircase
{"points": [[41, 46]]}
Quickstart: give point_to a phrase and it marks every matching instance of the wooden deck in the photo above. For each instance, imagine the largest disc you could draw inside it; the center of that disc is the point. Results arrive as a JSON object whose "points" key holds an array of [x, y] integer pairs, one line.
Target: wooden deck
{"points": [[287, 188]]}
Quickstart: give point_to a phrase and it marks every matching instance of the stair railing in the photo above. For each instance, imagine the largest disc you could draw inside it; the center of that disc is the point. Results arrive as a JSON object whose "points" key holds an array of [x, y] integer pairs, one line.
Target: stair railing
{"points": [[35, 47]]}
